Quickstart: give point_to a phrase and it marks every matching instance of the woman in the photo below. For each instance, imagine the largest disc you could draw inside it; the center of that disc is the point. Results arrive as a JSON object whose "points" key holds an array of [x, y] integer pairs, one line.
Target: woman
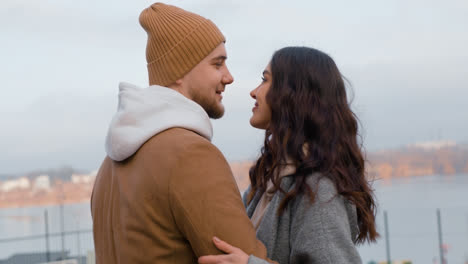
{"points": [[309, 198]]}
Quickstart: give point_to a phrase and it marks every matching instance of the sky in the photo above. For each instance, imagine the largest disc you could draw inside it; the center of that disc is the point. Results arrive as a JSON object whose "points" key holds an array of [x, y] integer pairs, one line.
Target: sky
{"points": [[62, 60]]}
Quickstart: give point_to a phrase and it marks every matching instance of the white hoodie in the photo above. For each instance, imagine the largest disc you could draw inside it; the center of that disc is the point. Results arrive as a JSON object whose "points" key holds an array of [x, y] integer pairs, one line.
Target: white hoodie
{"points": [[143, 113]]}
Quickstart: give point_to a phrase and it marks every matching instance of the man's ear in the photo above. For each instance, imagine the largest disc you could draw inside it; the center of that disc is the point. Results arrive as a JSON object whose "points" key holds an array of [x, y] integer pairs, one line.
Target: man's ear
{"points": [[176, 85], [179, 86]]}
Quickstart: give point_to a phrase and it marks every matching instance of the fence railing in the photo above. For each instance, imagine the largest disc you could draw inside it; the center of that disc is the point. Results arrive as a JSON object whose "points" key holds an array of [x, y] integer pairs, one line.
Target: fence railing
{"points": [[408, 236], [64, 247]]}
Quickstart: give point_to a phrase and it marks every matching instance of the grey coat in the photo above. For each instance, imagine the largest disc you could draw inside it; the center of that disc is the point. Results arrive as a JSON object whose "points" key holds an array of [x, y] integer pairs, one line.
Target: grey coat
{"points": [[322, 232]]}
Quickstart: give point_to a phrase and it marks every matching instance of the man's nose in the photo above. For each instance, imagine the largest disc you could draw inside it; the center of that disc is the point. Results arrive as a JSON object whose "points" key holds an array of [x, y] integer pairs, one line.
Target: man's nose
{"points": [[228, 79]]}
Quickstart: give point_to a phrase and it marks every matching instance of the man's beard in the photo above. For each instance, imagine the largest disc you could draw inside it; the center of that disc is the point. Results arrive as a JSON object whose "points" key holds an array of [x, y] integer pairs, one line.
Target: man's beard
{"points": [[213, 109]]}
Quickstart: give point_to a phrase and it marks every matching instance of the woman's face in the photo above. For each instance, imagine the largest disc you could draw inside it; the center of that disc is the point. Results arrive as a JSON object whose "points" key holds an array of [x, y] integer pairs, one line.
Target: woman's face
{"points": [[261, 113]]}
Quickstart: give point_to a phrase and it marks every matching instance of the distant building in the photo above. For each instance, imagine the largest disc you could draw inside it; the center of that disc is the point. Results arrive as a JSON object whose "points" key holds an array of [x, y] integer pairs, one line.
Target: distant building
{"points": [[66, 261], [42, 182], [21, 183], [93, 173], [82, 178], [41, 257], [91, 257], [54, 257], [435, 144]]}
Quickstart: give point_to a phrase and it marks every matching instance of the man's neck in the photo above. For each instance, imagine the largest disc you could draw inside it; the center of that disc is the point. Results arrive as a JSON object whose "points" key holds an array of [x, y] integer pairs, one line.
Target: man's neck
{"points": [[181, 90]]}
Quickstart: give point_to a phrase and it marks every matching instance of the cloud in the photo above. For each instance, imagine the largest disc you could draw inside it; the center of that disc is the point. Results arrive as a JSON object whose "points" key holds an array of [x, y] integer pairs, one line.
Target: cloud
{"points": [[57, 128], [406, 102], [63, 60]]}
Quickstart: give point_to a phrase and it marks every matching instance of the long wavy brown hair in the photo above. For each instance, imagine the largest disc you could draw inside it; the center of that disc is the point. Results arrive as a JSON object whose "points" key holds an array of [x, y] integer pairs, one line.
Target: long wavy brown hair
{"points": [[312, 127]]}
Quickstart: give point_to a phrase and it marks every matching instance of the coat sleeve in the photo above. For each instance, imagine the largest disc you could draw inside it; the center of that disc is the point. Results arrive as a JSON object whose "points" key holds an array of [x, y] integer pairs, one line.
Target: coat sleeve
{"points": [[321, 231], [255, 260], [206, 202]]}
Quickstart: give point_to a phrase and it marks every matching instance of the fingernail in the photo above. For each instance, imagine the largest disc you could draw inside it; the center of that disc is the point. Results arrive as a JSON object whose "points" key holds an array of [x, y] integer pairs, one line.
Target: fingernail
{"points": [[216, 239]]}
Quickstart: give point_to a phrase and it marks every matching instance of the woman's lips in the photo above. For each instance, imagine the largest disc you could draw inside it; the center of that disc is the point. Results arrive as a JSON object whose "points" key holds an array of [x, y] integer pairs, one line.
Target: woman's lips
{"points": [[255, 107]]}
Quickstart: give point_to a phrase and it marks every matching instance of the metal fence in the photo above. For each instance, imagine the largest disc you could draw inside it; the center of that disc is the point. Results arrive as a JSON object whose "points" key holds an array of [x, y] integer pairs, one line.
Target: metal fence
{"points": [[424, 235], [420, 236], [64, 247]]}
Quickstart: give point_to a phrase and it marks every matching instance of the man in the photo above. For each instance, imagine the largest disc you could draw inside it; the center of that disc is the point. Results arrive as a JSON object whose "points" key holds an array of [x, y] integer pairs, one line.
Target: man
{"points": [[164, 190]]}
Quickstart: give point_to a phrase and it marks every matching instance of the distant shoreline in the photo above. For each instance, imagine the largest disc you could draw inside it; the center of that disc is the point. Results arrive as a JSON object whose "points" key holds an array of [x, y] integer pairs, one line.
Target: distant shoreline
{"points": [[84, 196], [63, 193], [65, 186], [23, 206]]}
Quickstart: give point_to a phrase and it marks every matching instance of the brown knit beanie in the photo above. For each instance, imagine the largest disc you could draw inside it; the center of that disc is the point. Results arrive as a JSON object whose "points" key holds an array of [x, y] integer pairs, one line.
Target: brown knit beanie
{"points": [[177, 41]]}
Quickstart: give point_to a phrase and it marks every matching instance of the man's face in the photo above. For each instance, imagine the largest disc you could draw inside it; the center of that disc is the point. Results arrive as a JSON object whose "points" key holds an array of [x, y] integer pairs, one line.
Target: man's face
{"points": [[205, 83]]}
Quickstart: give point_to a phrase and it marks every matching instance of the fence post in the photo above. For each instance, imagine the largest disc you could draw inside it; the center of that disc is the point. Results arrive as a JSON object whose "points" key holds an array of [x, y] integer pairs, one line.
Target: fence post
{"points": [[78, 241], [387, 238], [62, 233], [46, 221], [441, 249]]}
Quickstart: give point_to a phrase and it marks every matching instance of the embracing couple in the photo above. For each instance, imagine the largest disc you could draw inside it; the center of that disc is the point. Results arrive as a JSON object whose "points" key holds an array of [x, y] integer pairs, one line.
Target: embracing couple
{"points": [[166, 194]]}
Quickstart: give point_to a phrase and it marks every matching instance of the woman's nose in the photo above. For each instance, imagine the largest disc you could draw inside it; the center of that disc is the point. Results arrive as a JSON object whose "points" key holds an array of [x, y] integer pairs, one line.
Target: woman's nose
{"points": [[253, 93]]}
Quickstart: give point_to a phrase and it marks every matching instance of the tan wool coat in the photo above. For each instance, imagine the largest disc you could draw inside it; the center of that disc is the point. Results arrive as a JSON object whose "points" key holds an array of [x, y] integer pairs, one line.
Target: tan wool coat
{"points": [[166, 202]]}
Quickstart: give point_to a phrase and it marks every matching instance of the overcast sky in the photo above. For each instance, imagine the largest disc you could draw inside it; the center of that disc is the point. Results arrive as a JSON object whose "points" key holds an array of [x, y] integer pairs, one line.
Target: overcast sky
{"points": [[62, 60]]}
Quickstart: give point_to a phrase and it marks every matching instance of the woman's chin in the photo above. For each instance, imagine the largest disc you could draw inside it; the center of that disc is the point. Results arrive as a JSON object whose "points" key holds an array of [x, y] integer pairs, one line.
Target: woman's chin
{"points": [[253, 123], [256, 124]]}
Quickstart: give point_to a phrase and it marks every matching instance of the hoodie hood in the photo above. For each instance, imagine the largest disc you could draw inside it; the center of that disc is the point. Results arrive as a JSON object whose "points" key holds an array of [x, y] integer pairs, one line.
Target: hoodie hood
{"points": [[143, 113]]}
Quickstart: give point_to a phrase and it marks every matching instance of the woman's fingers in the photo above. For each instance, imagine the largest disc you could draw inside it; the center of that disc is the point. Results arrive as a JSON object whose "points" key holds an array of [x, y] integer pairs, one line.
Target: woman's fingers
{"points": [[224, 246], [213, 259], [233, 255]]}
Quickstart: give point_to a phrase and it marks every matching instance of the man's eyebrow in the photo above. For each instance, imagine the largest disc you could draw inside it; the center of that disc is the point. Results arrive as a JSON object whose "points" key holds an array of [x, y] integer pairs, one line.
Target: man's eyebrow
{"points": [[219, 58]]}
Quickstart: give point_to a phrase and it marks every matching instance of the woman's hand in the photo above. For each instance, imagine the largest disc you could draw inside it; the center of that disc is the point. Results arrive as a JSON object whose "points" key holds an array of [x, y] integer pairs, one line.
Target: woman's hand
{"points": [[233, 255]]}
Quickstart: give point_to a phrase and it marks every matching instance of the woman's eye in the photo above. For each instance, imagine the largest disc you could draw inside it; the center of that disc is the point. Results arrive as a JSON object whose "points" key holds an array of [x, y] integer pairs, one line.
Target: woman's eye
{"points": [[263, 79]]}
